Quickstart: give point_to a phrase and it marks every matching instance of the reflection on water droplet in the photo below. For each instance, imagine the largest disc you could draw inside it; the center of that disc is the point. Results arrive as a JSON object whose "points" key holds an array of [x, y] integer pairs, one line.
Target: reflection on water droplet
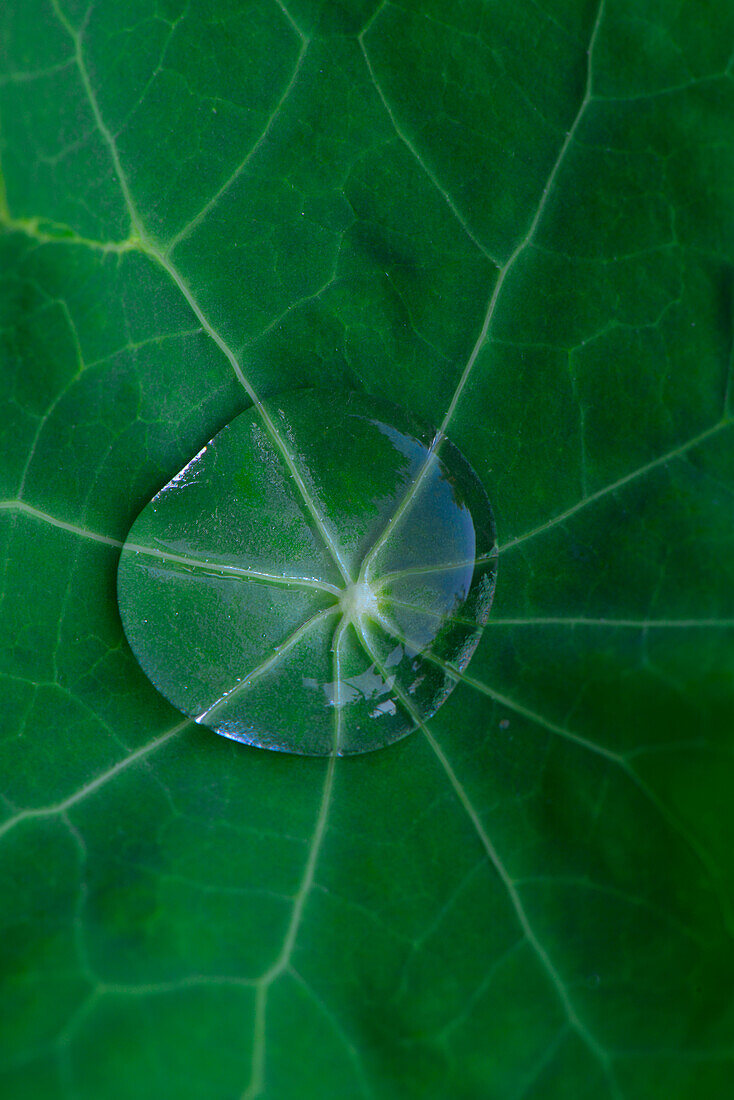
{"points": [[309, 590], [388, 707], [395, 656]]}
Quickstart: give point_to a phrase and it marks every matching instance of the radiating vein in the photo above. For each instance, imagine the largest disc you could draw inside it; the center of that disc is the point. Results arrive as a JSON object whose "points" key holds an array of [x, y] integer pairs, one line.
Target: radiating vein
{"points": [[619, 759], [309, 870], [540, 951], [519, 708], [662, 460], [440, 567], [245, 683], [149, 246], [265, 416], [201, 564], [289, 943], [282, 962], [94, 784], [440, 616], [624, 624], [494, 299], [572, 621], [54, 521]]}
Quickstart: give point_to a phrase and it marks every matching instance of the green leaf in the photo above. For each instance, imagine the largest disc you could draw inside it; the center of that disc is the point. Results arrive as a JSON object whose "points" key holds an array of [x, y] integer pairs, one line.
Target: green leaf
{"points": [[315, 579], [515, 222]]}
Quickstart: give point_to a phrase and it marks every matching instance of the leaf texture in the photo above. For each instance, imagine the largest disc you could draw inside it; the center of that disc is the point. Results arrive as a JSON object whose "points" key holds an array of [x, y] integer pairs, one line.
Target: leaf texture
{"points": [[515, 222]]}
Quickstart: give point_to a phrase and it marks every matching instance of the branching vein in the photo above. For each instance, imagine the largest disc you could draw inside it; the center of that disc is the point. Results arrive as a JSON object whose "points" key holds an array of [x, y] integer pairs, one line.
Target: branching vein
{"points": [[622, 760], [149, 246], [606, 490], [94, 784], [410, 146], [229, 183], [540, 951], [282, 964], [494, 299]]}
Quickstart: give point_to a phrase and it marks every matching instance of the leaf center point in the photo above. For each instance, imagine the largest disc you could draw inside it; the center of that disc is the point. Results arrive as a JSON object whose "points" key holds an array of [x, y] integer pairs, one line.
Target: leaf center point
{"points": [[358, 600]]}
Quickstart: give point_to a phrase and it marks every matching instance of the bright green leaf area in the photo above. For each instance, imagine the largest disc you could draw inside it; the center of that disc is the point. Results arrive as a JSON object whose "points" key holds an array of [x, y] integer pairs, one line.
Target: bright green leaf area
{"points": [[516, 222], [315, 579]]}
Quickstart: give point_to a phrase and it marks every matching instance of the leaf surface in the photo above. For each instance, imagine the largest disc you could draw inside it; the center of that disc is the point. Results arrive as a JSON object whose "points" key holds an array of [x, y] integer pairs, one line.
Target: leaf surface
{"points": [[515, 223]]}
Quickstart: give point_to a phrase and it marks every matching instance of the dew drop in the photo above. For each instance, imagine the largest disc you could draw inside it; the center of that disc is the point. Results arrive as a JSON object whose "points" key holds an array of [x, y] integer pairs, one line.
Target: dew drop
{"points": [[312, 589]]}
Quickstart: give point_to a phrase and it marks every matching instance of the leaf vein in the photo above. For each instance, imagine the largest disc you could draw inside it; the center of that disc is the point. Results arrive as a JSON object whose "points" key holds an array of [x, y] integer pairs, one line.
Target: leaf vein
{"points": [[93, 785], [540, 951], [592, 498]]}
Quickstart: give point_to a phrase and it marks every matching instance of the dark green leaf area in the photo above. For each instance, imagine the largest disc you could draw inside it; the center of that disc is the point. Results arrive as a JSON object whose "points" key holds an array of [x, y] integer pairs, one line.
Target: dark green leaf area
{"points": [[314, 579]]}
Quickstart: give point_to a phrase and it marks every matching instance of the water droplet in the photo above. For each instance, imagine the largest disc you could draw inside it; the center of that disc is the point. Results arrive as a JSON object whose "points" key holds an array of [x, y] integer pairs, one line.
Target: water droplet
{"points": [[314, 588]]}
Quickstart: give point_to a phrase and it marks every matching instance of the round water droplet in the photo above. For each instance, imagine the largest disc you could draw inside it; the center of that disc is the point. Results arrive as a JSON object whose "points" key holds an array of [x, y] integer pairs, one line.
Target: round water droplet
{"points": [[307, 581]]}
